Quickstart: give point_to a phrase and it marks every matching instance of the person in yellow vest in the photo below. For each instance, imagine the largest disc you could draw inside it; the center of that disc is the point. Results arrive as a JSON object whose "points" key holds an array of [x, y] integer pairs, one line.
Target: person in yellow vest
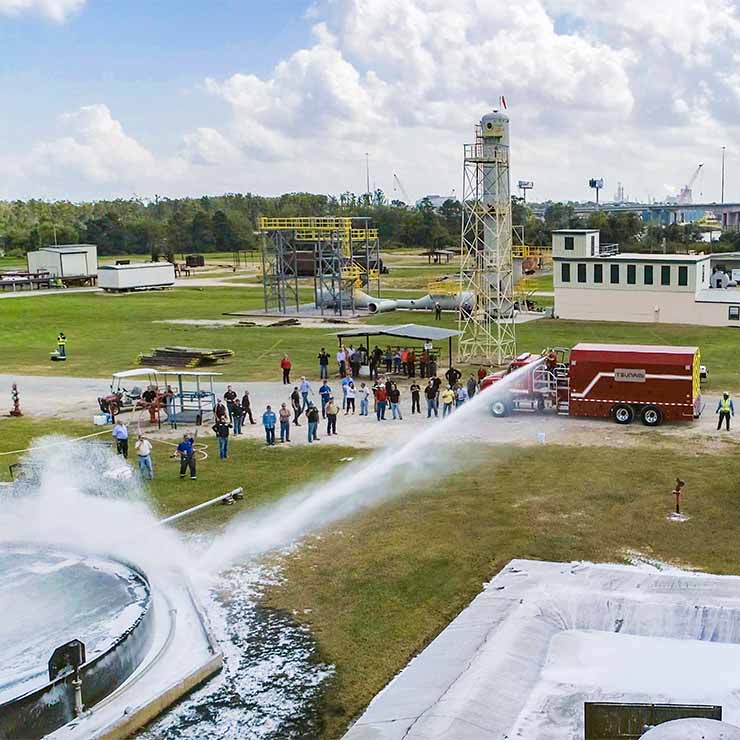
{"points": [[62, 344], [725, 409]]}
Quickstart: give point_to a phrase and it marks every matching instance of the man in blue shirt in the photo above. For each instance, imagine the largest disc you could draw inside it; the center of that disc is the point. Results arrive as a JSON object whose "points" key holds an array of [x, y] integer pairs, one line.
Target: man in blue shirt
{"points": [[346, 380], [325, 394], [120, 434], [268, 421], [187, 456]]}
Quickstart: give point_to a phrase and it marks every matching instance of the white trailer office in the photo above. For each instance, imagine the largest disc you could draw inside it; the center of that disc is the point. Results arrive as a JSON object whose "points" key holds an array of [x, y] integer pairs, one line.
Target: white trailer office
{"points": [[136, 276]]}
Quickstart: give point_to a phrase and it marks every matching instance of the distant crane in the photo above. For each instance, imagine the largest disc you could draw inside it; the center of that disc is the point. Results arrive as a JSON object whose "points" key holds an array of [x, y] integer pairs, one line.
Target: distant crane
{"points": [[685, 196], [405, 195]]}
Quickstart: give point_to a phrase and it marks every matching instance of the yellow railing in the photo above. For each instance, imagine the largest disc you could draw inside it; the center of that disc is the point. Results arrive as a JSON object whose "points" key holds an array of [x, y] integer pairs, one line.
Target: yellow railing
{"points": [[524, 250]]}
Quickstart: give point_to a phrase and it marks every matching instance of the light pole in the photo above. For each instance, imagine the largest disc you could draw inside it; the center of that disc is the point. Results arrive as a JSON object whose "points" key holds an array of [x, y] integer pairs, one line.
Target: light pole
{"points": [[722, 197], [525, 185], [367, 174], [596, 184]]}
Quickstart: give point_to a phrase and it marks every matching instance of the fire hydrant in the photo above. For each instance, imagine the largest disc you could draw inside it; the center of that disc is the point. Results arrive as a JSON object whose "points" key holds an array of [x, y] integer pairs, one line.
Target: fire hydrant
{"points": [[677, 493], [15, 397]]}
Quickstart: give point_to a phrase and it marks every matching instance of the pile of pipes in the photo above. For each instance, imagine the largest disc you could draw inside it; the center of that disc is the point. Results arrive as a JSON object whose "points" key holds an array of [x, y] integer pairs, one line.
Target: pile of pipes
{"points": [[185, 357]]}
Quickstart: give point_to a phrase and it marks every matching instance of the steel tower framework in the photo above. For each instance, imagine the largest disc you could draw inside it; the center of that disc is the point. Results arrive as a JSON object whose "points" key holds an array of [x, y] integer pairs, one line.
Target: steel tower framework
{"points": [[344, 253], [486, 262]]}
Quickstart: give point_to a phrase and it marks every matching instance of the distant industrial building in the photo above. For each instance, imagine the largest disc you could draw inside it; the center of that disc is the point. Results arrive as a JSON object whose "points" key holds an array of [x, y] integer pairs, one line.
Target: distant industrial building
{"points": [[436, 201], [594, 281]]}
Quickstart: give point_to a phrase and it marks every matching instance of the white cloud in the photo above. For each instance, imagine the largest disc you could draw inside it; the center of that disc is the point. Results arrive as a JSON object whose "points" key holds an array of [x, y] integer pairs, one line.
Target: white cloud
{"points": [[55, 10], [637, 92]]}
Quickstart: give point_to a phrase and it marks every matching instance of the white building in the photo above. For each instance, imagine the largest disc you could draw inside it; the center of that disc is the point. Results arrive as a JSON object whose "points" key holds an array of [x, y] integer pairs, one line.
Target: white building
{"points": [[65, 261], [593, 281]]}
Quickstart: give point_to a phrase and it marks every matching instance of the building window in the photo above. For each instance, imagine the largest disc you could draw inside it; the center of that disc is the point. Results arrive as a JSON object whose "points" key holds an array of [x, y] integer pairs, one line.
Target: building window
{"points": [[683, 275], [665, 274], [570, 243], [593, 246], [733, 313], [581, 272], [565, 272], [648, 275], [614, 274], [631, 274], [598, 273]]}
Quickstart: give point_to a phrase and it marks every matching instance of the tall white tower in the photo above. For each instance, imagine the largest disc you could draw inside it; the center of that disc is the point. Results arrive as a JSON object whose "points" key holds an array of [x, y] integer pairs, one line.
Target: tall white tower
{"points": [[486, 264]]}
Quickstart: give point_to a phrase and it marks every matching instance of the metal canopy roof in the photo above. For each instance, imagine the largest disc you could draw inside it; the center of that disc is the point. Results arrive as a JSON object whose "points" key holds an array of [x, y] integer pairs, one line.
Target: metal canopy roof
{"points": [[145, 371], [408, 331]]}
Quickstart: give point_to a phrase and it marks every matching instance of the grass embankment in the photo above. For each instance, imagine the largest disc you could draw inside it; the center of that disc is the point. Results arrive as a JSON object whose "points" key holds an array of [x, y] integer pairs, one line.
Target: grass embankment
{"points": [[377, 588]]}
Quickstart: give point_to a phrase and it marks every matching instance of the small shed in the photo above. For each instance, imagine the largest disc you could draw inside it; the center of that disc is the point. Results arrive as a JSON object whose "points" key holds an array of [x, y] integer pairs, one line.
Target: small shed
{"points": [[137, 276], [65, 261], [418, 332]]}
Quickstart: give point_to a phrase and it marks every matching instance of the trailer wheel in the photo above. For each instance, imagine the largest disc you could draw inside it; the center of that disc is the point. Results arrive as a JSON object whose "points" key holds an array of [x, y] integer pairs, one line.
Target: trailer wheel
{"points": [[500, 408], [623, 414], [651, 416]]}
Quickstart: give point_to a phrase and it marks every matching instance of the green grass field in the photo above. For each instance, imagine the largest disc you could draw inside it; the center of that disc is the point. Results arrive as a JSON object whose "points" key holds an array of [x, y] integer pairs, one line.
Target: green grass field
{"points": [[106, 333]]}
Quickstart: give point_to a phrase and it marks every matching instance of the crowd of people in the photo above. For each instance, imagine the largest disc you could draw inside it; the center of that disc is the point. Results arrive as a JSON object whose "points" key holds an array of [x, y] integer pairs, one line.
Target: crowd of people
{"points": [[379, 396]]}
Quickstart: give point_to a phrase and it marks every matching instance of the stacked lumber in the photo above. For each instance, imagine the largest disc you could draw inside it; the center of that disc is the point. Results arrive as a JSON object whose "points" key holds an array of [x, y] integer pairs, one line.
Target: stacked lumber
{"points": [[185, 357]]}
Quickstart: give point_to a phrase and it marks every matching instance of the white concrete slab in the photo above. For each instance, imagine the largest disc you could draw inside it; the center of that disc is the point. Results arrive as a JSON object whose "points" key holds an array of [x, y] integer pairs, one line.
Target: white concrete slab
{"points": [[542, 638]]}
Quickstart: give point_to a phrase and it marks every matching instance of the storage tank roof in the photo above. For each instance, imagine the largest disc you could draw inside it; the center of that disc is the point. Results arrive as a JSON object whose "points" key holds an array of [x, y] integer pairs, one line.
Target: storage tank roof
{"points": [[693, 729]]}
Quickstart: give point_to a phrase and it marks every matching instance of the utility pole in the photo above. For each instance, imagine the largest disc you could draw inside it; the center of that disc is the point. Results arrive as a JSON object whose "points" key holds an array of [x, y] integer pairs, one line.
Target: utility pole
{"points": [[722, 198], [367, 174]]}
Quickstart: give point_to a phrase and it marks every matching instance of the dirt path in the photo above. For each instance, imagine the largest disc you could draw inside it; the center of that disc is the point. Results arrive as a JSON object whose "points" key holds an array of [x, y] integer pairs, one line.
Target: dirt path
{"points": [[76, 398]]}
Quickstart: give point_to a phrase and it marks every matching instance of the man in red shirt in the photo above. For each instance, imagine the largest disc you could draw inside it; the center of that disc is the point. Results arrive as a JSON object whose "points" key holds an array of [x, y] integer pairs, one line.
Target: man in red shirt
{"points": [[381, 399], [286, 365]]}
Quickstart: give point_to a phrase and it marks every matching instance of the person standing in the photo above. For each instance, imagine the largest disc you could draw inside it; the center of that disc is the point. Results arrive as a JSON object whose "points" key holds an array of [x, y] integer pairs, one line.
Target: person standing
{"points": [[411, 363], [186, 450], [62, 345], [355, 362], [144, 451], [221, 428], [268, 422], [388, 359], [437, 311], [313, 422], [230, 397], [284, 414], [424, 364], [305, 388], [324, 395], [149, 397], [237, 419], [395, 399], [286, 365], [725, 409], [342, 361], [323, 358], [247, 408], [381, 398], [481, 373], [472, 386], [345, 384], [331, 418], [430, 393], [461, 395], [295, 402], [120, 434], [169, 402], [453, 375], [448, 397], [415, 398], [351, 395], [364, 394], [220, 410]]}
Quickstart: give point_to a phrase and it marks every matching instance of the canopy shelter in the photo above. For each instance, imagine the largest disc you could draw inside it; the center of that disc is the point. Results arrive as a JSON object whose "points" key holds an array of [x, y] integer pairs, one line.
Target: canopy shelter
{"points": [[418, 332], [194, 399]]}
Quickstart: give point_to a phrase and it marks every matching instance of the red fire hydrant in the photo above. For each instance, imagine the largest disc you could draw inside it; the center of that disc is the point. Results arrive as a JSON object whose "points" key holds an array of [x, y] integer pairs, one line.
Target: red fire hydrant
{"points": [[677, 493]]}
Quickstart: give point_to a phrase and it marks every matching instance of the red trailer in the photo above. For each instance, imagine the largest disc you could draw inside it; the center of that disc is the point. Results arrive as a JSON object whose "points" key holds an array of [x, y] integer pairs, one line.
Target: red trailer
{"points": [[619, 381]]}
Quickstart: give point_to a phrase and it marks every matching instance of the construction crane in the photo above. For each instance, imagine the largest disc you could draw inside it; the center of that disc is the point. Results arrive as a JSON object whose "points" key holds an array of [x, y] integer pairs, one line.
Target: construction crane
{"points": [[401, 188], [685, 196]]}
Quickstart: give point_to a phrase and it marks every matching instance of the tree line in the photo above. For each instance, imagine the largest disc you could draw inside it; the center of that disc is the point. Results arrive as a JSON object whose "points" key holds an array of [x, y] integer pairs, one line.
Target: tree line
{"points": [[225, 223]]}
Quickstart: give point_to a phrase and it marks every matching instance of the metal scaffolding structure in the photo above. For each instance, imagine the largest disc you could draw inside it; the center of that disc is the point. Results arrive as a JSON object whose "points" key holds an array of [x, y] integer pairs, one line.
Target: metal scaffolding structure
{"points": [[339, 253], [486, 262]]}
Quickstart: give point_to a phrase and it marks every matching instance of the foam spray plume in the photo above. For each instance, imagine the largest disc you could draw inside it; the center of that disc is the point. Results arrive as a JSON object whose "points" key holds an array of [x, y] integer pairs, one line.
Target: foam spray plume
{"points": [[386, 474]]}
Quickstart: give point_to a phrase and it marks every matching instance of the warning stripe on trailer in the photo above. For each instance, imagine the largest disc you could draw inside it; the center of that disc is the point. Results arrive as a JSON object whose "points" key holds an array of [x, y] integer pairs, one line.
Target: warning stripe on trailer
{"points": [[644, 403], [651, 376]]}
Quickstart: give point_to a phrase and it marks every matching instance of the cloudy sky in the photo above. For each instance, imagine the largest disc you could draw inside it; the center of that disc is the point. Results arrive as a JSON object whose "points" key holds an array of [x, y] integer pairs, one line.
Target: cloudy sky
{"points": [[119, 97]]}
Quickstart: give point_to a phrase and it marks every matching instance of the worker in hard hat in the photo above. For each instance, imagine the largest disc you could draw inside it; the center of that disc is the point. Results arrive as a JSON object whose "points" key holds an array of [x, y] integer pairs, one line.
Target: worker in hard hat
{"points": [[725, 409], [62, 345]]}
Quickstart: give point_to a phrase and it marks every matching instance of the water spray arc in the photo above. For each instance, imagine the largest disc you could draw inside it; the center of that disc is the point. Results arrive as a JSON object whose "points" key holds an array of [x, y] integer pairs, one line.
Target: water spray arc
{"points": [[486, 260]]}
